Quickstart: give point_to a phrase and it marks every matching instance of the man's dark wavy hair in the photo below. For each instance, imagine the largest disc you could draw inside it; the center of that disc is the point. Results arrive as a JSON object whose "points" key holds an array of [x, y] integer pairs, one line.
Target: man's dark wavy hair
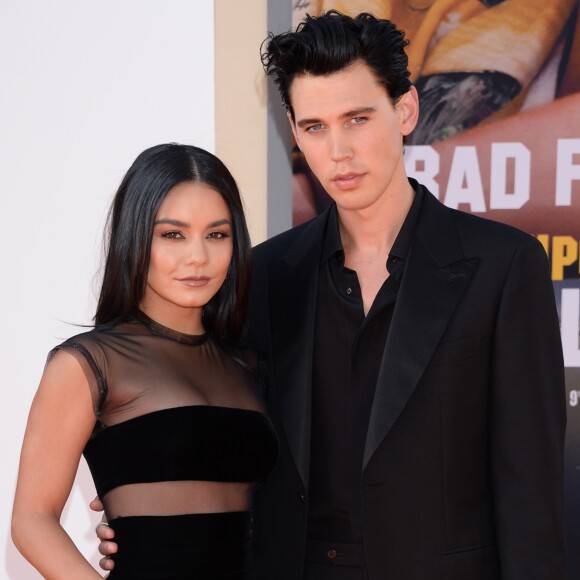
{"points": [[325, 44]]}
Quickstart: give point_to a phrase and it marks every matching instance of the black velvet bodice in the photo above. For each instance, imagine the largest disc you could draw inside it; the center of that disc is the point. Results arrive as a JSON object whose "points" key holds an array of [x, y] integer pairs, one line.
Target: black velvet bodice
{"points": [[197, 442]]}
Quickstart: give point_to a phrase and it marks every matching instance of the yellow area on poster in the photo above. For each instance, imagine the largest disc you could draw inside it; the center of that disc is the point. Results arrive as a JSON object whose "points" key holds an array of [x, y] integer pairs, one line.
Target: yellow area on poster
{"points": [[563, 252]]}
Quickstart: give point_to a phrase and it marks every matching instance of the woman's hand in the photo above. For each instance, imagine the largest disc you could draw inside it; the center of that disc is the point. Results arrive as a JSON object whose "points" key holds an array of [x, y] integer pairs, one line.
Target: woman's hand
{"points": [[105, 535]]}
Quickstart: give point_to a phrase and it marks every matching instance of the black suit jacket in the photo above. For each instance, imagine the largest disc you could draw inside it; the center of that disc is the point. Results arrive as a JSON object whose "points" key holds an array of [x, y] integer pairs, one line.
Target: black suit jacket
{"points": [[463, 466]]}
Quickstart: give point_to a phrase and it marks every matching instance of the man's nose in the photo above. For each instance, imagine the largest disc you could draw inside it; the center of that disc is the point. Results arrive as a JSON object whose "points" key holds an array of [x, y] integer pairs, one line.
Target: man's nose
{"points": [[340, 147]]}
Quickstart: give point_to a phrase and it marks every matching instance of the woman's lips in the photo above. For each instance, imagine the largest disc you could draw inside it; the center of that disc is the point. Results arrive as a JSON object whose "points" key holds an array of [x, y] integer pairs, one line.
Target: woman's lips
{"points": [[194, 281]]}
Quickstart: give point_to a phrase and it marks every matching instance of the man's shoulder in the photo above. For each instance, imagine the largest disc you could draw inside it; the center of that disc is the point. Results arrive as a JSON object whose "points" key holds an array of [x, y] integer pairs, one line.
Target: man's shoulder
{"points": [[473, 228], [284, 238], [497, 235], [277, 245]]}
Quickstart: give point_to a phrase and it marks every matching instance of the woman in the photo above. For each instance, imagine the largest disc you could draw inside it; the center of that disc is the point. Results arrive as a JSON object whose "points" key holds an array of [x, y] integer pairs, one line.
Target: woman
{"points": [[166, 412]]}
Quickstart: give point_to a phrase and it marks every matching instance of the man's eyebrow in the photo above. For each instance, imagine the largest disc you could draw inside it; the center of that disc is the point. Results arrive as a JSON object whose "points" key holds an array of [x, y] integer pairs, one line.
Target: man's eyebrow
{"points": [[303, 122], [357, 112], [346, 115]]}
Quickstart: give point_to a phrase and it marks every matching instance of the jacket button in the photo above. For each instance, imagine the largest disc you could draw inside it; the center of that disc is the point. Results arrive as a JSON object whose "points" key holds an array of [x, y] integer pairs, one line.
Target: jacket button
{"points": [[301, 497], [331, 554]]}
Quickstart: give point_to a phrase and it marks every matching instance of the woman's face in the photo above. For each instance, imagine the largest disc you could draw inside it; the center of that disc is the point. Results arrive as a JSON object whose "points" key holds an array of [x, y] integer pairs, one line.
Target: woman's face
{"points": [[191, 251]]}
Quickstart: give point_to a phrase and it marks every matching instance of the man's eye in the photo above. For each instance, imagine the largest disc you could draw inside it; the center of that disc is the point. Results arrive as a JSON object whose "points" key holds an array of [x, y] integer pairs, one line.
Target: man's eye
{"points": [[315, 128], [358, 120]]}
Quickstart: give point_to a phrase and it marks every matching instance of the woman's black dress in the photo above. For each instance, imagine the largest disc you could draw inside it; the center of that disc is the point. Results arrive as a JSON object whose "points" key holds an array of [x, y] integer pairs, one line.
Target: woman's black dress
{"points": [[179, 424]]}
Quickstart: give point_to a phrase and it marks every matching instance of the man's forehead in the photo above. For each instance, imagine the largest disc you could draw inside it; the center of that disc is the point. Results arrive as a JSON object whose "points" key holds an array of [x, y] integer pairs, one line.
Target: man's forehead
{"points": [[337, 104], [351, 88]]}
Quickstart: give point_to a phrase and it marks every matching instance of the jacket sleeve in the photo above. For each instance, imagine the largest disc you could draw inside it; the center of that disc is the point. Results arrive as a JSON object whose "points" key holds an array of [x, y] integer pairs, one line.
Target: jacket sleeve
{"points": [[527, 422]]}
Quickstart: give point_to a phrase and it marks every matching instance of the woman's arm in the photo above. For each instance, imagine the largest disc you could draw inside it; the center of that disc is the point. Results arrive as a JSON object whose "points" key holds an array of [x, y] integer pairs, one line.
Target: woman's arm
{"points": [[60, 423]]}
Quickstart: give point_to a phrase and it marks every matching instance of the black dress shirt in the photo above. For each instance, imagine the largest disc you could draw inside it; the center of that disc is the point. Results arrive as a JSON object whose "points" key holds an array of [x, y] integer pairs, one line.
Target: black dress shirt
{"points": [[348, 349]]}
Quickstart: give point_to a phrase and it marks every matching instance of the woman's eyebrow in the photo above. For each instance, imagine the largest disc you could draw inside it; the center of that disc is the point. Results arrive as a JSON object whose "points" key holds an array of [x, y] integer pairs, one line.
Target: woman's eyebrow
{"points": [[171, 222]]}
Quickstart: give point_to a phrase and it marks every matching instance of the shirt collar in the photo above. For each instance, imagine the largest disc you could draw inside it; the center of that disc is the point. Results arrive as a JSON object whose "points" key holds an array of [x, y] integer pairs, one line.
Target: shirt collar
{"points": [[332, 245]]}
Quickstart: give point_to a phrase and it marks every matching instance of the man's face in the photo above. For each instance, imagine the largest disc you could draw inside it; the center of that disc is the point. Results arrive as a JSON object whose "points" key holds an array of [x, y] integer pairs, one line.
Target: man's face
{"points": [[351, 134]]}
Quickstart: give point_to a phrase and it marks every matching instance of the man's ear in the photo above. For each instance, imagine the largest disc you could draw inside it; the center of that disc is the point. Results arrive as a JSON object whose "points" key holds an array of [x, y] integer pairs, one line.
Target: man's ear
{"points": [[293, 127], [408, 107]]}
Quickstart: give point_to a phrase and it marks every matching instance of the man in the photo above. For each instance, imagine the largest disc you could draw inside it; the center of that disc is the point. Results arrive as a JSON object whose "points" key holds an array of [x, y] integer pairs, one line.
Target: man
{"points": [[420, 405], [416, 375]]}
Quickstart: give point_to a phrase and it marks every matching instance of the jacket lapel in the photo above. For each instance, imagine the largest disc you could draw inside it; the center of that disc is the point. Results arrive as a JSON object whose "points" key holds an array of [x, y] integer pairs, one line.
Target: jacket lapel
{"points": [[436, 276], [293, 315]]}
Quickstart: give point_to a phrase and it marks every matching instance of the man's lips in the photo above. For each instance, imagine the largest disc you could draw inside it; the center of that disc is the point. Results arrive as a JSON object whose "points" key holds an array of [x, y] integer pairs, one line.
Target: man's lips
{"points": [[347, 180], [194, 281]]}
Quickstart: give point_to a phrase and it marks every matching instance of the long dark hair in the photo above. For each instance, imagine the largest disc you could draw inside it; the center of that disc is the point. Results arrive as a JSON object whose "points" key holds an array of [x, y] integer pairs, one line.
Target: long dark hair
{"points": [[130, 230], [329, 43]]}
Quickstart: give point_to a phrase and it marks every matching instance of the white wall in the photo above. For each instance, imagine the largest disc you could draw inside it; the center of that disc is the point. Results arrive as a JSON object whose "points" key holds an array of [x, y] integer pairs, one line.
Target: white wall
{"points": [[84, 87]]}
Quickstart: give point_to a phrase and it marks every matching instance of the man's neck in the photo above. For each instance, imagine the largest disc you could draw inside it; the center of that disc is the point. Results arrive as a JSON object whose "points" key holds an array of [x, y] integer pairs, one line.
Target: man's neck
{"points": [[375, 228]]}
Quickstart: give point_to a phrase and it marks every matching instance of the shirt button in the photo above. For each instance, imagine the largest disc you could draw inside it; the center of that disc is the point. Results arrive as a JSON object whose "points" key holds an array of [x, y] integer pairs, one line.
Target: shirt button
{"points": [[349, 291], [301, 497], [331, 554]]}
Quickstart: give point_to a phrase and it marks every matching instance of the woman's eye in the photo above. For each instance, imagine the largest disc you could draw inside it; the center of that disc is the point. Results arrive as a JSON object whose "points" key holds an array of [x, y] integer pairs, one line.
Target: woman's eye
{"points": [[172, 235], [218, 235]]}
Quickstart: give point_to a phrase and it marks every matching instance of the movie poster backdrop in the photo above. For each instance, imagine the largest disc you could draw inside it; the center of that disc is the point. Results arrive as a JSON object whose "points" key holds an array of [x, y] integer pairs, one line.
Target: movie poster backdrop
{"points": [[499, 136]]}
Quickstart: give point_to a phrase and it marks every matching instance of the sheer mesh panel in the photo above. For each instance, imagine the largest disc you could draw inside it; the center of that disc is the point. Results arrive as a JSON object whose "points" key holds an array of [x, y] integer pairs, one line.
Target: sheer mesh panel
{"points": [[172, 498], [141, 372], [140, 367]]}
